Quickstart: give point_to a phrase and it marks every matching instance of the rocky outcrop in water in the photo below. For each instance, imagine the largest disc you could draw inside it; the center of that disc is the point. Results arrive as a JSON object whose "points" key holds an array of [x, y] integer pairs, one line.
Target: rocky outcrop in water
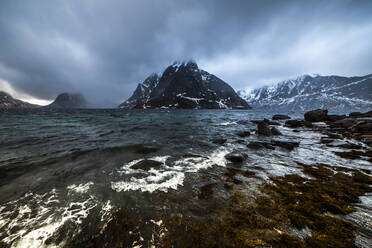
{"points": [[7, 101], [69, 101], [184, 86]]}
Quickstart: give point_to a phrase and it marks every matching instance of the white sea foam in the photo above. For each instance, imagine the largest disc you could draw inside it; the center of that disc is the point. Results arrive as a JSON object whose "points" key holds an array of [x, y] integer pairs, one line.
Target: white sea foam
{"points": [[169, 176], [34, 218], [81, 188]]}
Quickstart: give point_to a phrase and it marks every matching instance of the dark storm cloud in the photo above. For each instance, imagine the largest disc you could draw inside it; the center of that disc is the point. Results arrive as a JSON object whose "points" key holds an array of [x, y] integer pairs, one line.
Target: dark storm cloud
{"points": [[104, 48]]}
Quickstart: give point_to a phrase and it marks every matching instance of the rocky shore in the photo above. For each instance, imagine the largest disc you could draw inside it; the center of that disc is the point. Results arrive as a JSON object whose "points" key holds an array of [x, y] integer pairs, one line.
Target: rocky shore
{"points": [[307, 209]]}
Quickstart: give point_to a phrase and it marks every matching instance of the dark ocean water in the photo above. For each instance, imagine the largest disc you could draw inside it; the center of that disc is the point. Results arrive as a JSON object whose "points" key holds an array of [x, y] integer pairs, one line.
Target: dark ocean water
{"points": [[60, 170]]}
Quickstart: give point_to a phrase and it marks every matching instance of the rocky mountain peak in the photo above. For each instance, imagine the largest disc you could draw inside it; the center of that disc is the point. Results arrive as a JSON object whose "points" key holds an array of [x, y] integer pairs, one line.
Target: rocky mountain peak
{"points": [[184, 85]]}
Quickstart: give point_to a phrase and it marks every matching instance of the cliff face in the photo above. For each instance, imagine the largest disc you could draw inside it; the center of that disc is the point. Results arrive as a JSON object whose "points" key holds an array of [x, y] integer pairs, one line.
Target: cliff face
{"points": [[184, 86]]}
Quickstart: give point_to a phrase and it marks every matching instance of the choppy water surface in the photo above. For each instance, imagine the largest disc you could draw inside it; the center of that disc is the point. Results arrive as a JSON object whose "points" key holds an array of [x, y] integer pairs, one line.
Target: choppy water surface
{"points": [[60, 170]]}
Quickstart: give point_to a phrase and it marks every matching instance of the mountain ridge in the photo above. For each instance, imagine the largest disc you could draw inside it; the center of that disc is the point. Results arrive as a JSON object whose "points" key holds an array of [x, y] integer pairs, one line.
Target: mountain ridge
{"points": [[7, 101], [310, 91]]}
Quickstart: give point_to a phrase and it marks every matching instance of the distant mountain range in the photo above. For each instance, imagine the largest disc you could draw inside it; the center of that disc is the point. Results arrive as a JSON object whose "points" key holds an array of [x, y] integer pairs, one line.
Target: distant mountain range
{"points": [[184, 86], [307, 92], [7, 101], [64, 100]]}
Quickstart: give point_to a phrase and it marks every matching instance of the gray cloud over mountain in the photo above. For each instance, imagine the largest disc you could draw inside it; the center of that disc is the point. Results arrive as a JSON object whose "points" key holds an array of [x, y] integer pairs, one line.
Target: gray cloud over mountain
{"points": [[104, 48]]}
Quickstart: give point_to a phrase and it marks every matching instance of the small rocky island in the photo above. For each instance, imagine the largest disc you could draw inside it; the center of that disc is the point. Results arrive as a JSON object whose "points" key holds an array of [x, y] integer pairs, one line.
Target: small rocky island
{"points": [[67, 100], [184, 86]]}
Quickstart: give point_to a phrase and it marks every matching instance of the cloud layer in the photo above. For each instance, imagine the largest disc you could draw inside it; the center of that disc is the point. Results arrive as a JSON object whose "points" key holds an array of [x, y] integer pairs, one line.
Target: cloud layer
{"points": [[104, 48]]}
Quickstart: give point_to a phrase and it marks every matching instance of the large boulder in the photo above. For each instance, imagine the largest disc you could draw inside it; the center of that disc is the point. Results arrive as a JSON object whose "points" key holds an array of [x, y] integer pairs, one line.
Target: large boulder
{"points": [[316, 115], [275, 131], [243, 133], [236, 157], [263, 128], [280, 117], [146, 164], [298, 123]]}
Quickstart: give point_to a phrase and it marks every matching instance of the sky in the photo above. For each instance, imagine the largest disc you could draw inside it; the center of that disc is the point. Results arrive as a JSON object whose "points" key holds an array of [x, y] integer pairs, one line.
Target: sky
{"points": [[103, 49]]}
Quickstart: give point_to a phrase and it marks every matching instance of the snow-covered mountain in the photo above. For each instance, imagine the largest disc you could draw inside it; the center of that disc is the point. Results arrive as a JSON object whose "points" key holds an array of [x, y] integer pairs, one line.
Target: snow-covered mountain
{"points": [[184, 86], [307, 92], [7, 101]]}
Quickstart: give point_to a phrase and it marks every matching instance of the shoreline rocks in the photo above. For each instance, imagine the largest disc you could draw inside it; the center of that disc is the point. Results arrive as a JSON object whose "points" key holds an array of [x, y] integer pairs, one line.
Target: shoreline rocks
{"points": [[280, 117]]}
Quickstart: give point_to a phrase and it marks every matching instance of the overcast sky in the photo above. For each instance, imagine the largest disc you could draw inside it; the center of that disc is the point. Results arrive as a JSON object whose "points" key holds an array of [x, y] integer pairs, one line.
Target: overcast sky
{"points": [[104, 48]]}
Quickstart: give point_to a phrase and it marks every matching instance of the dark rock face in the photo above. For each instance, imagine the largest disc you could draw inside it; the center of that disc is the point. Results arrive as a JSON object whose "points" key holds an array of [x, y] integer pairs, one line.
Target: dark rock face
{"points": [[289, 145], [236, 157], [243, 134], [275, 131], [260, 145], [219, 141], [308, 92], [184, 86], [7, 101], [335, 117], [146, 164], [294, 123], [316, 115], [360, 115], [263, 128], [281, 117], [66, 100]]}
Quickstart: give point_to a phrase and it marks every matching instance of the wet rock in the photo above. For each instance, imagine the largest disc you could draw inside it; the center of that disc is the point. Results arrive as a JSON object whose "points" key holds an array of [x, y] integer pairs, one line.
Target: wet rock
{"points": [[281, 117], [263, 128], [334, 135], [273, 123], [236, 157], [308, 124], [349, 155], [367, 139], [362, 127], [360, 115], [255, 145], [243, 122], [335, 117], [146, 164], [324, 140], [355, 114], [275, 131], [243, 133], [294, 123], [350, 146], [240, 141], [260, 145], [206, 191], [316, 115], [219, 141], [289, 145], [192, 155]]}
